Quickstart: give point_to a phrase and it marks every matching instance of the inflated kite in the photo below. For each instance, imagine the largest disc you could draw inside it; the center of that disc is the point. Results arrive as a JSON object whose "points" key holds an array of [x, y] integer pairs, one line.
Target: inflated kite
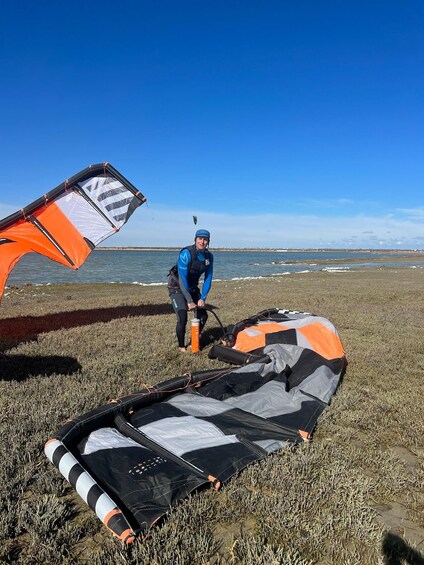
{"points": [[68, 222]]}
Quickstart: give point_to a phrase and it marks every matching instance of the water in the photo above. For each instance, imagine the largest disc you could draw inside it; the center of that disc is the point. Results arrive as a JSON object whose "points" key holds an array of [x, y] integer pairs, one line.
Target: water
{"points": [[151, 267]]}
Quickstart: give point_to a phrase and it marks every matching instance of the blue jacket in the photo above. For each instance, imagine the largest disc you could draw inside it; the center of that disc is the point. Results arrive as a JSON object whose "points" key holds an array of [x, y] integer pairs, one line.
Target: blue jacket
{"points": [[191, 265]]}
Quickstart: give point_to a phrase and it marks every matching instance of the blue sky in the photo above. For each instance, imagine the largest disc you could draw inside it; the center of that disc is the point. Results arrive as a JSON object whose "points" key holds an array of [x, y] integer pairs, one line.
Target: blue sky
{"points": [[279, 124]]}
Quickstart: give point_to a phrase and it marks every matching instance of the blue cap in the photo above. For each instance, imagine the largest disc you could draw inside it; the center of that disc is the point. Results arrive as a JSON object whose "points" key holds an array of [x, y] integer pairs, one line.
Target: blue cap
{"points": [[202, 233]]}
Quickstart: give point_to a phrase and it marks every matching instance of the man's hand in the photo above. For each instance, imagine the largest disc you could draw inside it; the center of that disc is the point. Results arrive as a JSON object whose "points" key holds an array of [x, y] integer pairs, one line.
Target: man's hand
{"points": [[191, 305], [201, 303]]}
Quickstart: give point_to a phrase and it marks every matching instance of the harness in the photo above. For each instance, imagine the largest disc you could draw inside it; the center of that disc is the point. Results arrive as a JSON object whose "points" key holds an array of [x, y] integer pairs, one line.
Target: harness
{"points": [[195, 269]]}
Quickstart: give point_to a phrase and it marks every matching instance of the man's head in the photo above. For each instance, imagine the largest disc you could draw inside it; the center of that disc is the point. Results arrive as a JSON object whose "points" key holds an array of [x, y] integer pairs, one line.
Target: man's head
{"points": [[201, 239]]}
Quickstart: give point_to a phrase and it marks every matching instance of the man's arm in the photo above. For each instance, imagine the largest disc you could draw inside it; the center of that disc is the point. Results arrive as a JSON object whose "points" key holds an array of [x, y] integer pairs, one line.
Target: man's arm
{"points": [[208, 279], [183, 264]]}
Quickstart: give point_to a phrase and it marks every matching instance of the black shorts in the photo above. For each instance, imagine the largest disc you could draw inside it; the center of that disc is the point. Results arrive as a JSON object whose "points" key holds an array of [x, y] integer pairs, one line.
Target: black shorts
{"points": [[178, 300]]}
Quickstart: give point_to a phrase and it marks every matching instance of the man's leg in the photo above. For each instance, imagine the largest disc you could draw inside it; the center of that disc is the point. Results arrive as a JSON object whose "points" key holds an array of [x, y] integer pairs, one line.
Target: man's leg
{"points": [[179, 305]]}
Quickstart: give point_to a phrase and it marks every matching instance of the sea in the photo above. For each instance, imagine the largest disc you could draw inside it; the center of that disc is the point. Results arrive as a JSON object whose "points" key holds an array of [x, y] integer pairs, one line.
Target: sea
{"points": [[151, 267]]}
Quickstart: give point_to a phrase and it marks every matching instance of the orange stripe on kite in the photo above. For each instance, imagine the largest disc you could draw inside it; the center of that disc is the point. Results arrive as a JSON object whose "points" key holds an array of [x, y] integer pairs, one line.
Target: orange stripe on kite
{"points": [[127, 536], [110, 515], [28, 238], [324, 341], [248, 341], [216, 484], [60, 227]]}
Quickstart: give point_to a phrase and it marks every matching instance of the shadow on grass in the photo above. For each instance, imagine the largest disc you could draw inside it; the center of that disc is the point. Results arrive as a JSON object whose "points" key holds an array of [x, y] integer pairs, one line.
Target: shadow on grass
{"points": [[20, 367], [27, 328], [397, 552], [210, 335]]}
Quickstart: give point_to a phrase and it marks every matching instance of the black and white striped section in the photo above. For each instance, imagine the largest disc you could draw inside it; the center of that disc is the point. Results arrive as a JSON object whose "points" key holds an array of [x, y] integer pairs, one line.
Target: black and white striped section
{"points": [[291, 314], [146, 483], [207, 433], [112, 197], [104, 507]]}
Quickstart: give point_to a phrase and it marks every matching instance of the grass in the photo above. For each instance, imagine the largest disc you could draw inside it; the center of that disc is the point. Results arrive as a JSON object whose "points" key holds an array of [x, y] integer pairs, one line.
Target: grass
{"points": [[353, 495]]}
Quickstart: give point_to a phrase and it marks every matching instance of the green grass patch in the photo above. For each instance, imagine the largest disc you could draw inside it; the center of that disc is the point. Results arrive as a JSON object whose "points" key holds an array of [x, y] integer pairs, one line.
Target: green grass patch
{"points": [[352, 495]]}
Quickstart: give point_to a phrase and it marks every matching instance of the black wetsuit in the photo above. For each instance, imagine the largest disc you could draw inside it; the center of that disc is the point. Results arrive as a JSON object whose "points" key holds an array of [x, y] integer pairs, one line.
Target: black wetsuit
{"points": [[200, 262]]}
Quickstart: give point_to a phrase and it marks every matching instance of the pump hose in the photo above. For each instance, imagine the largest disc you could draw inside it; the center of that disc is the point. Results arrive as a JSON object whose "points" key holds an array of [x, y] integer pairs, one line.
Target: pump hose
{"points": [[209, 309]]}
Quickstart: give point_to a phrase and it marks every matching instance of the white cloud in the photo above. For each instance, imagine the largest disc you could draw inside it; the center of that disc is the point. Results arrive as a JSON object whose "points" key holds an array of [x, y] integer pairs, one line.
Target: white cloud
{"points": [[416, 214], [165, 227], [152, 226], [326, 203]]}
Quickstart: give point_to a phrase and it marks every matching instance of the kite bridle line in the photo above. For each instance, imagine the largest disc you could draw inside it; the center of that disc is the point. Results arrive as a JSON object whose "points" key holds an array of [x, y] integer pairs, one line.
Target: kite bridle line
{"points": [[190, 382]]}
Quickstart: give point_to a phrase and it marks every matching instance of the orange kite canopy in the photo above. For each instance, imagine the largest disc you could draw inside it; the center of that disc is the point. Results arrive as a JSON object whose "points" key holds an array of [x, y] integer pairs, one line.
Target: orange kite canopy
{"points": [[68, 222]]}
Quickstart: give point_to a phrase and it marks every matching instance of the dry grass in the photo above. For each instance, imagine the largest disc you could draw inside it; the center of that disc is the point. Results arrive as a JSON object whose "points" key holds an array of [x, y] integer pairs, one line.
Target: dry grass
{"points": [[353, 495]]}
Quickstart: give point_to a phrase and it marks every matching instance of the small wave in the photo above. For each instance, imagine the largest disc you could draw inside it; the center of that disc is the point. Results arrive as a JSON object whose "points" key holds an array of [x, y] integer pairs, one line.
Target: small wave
{"points": [[247, 278], [281, 274], [336, 269], [147, 284]]}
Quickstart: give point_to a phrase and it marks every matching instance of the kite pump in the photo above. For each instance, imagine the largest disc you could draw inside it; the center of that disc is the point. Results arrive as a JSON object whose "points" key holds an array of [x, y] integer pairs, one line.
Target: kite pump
{"points": [[195, 333], [195, 329]]}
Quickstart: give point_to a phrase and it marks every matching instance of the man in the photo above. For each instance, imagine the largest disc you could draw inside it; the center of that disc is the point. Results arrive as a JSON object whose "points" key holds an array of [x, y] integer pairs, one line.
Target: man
{"points": [[183, 283]]}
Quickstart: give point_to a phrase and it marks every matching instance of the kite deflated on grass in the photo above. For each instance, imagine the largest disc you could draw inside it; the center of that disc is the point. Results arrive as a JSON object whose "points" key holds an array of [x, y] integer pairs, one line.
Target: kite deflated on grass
{"points": [[137, 457], [68, 222]]}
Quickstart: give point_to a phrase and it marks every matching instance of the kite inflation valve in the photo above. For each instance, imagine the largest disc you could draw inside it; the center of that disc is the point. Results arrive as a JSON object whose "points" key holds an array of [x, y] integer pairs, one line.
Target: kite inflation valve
{"points": [[195, 335]]}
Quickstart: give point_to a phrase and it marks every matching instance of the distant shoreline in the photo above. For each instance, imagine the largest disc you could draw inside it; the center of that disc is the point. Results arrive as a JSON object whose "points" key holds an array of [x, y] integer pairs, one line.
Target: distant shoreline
{"points": [[415, 252]]}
